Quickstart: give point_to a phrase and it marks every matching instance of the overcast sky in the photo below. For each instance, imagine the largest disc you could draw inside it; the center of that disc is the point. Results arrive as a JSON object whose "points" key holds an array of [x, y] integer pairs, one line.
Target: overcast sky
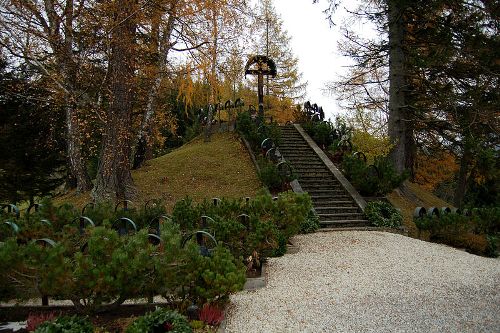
{"points": [[315, 44]]}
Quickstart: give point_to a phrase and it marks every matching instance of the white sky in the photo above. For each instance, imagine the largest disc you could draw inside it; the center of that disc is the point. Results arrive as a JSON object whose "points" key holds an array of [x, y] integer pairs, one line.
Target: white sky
{"points": [[314, 43]]}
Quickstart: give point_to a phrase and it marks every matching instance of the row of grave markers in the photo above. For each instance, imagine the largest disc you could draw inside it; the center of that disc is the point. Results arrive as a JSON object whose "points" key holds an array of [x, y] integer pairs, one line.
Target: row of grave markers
{"points": [[125, 226], [436, 212], [272, 153]]}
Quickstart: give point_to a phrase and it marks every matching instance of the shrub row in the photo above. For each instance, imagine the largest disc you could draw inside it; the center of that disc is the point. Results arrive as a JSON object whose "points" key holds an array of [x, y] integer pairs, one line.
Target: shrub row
{"points": [[478, 233], [96, 268]]}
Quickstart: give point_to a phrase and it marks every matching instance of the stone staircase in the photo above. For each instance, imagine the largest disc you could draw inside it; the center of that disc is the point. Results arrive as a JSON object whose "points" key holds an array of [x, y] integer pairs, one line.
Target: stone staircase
{"points": [[334, 205]]}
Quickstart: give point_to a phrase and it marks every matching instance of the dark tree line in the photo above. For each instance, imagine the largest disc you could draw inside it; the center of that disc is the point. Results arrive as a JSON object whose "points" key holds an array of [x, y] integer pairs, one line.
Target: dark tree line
{"points": [[433, 74]]}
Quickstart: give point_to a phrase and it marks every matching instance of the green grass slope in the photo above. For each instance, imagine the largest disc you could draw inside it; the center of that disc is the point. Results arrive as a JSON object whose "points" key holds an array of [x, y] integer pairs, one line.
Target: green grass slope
{"points": [[220, 168]]}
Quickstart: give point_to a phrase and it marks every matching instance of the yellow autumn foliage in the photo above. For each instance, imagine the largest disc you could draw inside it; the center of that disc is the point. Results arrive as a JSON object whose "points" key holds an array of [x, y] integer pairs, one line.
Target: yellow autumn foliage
{"points": [[371, 145]]}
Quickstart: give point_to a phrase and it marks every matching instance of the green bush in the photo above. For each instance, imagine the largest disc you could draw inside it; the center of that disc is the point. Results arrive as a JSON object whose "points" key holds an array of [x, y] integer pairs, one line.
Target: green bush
{"points": [[30, 270], [270, 176], [478, 234], [321, 132], [376, 180], [383, 214], [310, 224], [110, 270], [66, 324], [247, 127], [97, 269], [161, 320], [185, 214], [212, 278]]}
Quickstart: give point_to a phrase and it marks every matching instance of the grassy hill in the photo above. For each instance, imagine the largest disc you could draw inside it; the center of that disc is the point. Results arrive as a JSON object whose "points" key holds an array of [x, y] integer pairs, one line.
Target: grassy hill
{"points": [[411, 196], [220, 168]]}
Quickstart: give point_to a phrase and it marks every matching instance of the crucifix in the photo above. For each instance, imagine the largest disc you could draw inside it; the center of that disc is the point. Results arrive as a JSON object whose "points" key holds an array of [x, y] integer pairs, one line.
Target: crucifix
{"points": [[260, 65]]}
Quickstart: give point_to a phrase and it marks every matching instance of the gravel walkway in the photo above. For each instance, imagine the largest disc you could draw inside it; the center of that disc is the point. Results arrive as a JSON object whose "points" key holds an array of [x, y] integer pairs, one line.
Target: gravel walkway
{"points": [[359, 281]]}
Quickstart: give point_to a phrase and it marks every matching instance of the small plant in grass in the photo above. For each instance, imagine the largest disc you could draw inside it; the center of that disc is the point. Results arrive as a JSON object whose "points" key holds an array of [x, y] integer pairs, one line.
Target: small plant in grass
{"points": [[66, 324], [211, 315], [161, 320], [36, 319], [383, 214]]}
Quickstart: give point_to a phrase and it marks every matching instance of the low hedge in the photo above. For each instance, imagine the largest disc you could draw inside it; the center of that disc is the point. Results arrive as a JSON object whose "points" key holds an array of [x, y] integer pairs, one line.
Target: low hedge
{"points": [[478, 233], [96, 268]]}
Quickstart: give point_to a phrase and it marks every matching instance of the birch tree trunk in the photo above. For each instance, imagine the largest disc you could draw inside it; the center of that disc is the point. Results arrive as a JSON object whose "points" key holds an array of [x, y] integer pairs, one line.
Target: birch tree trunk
{"points": [[160, 42], [213, 73]]}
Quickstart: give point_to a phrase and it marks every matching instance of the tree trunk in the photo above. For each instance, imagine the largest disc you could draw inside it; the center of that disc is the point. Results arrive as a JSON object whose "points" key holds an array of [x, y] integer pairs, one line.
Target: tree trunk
{"points": [[114, 180], [399, 131], [74, 150], [160, 43], [458, 198], [213, 76], [63, 47]]}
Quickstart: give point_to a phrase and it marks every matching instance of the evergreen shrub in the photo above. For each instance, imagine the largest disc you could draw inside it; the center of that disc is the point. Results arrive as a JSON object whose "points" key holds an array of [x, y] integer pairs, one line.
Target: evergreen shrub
{"points": [[161, 320], [478, 234], [383, 214]]}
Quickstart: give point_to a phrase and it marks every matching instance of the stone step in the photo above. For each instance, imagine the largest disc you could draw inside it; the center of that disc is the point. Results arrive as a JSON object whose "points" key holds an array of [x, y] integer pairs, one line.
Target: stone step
{"points": [[303, 180], [337, 210], [320, 182], [340, 216], [320, 174], [302, 146], [297, 154], [344, 223], [333, 203], [321, 187], [323, 197], [331, 193], [296, 151], [311, 170], [290, 139], [303, 161]]}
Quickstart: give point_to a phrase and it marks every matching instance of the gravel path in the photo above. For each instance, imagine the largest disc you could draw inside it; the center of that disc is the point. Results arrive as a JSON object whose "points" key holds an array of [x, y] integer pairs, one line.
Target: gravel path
{"points": [[359, 281]]}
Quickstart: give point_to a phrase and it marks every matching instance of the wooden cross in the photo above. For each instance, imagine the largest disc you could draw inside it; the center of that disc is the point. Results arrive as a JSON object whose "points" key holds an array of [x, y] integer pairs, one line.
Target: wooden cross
{"points": [[260, 65]]}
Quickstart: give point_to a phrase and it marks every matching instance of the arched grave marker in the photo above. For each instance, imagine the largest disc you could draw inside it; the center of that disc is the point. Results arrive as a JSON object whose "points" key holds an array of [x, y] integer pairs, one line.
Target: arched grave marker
{"points": [[89, 205], [433, 212], [273, 155], [267, 144], [154, 224], [125, 203], [445, 210], [33, 206], [285, 169], [419, 212], [200, 239], [13, 227], [11, 209], [124, 226], [360, 156], [83, 222]]}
